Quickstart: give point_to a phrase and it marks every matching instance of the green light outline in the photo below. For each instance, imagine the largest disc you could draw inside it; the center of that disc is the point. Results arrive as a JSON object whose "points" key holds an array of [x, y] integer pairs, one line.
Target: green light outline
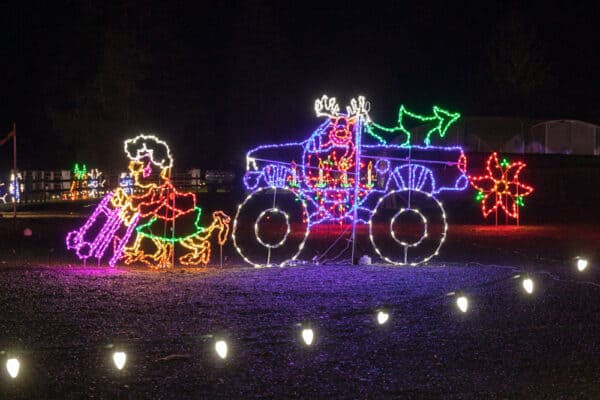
{"points": [[79, 173], [479, 196], [445, 120], [199, 230]]}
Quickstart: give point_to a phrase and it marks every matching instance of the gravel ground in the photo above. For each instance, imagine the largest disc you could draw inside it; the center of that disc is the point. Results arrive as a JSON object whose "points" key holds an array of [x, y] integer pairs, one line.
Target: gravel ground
{"points": [[64, 322]]}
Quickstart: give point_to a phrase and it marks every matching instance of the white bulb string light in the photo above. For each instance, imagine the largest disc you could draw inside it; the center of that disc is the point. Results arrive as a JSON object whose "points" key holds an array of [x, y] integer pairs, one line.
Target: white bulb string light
{"points": [[462, 301], [258, 241], [558, 262], [272, 210], [419, 259], [393, 232]]}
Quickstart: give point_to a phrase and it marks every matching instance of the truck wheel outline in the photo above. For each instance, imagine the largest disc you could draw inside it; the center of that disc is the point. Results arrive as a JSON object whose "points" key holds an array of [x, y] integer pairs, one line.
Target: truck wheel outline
{"points": [[408, 246], [258, 242]]}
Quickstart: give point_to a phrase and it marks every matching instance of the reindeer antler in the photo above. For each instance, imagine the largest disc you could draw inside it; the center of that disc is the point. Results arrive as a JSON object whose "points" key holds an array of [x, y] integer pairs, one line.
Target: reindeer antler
{"points": [[359, 108], [327, 107]]}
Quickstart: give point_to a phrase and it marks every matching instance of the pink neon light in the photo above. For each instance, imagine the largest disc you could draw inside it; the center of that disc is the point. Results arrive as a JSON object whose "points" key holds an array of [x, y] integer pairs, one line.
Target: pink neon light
{"points": [[96, 246], [147, 171]]}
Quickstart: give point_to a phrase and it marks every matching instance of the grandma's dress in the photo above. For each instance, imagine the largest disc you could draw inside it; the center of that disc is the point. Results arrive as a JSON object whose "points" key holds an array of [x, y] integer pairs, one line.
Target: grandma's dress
{"points": [[173, 216]]}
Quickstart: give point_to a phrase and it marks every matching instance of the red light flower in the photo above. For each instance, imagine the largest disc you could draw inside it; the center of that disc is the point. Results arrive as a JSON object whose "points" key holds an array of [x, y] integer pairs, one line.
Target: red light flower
{"points": [[501, 187]]}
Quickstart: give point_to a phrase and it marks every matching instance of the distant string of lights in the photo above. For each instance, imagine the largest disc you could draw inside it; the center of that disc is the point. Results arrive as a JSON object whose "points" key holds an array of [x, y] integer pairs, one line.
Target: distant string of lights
{"points": [[85, 183], [16, 186]]}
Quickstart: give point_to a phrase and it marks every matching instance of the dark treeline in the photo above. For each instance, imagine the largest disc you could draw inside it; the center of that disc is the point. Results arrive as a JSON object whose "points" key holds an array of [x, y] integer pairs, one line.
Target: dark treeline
{"points": [[215, 77]]}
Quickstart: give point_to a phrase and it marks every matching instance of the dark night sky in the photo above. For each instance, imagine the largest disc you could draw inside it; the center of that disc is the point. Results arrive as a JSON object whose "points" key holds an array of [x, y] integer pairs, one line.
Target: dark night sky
{"points": [[215, 77]]}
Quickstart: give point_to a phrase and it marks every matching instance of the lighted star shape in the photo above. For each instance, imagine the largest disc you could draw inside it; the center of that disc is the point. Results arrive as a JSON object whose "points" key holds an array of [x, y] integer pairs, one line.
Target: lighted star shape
{"points": [[501, 188]]}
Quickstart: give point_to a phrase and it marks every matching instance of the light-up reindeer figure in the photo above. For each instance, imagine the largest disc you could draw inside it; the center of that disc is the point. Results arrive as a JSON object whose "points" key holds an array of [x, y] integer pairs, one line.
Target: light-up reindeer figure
{"points": [[161, 216]]}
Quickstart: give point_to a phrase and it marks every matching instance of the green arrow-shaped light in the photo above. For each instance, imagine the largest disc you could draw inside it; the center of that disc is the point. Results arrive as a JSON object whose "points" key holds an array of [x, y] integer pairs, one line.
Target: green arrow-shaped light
{"points": [[441, 118], [445, 118]]}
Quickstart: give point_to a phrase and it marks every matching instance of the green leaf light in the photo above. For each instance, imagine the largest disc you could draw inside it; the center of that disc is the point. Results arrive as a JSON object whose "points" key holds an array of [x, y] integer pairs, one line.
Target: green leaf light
{"points": [[479, 196], [519, 201]]}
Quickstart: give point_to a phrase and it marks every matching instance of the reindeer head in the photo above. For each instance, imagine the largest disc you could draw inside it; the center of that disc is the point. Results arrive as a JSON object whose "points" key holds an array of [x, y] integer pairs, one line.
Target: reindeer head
{"points": [[222, 221], [340, 130]]}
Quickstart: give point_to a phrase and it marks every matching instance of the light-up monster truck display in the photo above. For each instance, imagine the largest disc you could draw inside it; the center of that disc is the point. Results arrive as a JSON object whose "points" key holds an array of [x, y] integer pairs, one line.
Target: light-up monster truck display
{"points": [[347, 173]]}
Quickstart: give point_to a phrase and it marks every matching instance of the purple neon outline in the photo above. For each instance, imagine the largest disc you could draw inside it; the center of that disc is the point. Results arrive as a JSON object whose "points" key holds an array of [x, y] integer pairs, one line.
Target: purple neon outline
{"points": [[119, 249], [75, 238], [273, 174], [97, 247]]}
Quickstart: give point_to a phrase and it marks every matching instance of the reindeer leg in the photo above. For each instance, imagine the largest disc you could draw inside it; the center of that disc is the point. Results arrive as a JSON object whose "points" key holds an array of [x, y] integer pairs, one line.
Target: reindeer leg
{"points": [[191, 257], [205, 252], [162, 255], [132, 253]]}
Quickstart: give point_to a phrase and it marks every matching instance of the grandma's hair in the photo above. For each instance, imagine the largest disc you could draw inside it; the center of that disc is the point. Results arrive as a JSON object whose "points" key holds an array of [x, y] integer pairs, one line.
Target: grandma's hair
{"points": [[149, 146]]}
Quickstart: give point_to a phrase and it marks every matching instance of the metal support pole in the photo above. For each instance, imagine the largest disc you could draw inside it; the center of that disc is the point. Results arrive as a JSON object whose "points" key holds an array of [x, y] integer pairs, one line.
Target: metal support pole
{"points": [[356, 185], [16, 180]]}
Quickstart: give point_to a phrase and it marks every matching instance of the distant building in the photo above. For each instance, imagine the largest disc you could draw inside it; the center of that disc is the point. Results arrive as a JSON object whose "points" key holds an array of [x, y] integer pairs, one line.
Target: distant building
{"points": [[516, 135], [565, 137]]}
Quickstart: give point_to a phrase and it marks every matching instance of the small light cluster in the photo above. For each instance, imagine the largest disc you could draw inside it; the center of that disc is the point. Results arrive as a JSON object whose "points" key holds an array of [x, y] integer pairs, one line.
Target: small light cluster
{"points": [[16, 187], [86, 184]]}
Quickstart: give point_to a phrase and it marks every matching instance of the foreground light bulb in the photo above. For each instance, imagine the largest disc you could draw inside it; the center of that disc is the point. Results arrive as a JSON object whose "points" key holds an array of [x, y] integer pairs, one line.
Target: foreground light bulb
{"points": [[13, 365], [463, 303], [308, 335], [582, 264], [382, 317], [528, 285], [221, 348], [119, 359]]}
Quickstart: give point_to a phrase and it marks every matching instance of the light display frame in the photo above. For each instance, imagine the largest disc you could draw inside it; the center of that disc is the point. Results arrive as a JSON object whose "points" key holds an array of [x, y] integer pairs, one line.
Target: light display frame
{"points": [[152, 201], [341, 173]]}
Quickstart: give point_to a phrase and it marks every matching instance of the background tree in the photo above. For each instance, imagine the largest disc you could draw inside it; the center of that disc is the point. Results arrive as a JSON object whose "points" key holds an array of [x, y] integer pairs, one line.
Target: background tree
{"points": [[519, 72]]}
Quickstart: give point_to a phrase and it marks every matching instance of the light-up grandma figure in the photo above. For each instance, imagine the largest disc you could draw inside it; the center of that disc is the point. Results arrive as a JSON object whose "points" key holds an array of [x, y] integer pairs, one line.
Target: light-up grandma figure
{"points": [[162, 216]]}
